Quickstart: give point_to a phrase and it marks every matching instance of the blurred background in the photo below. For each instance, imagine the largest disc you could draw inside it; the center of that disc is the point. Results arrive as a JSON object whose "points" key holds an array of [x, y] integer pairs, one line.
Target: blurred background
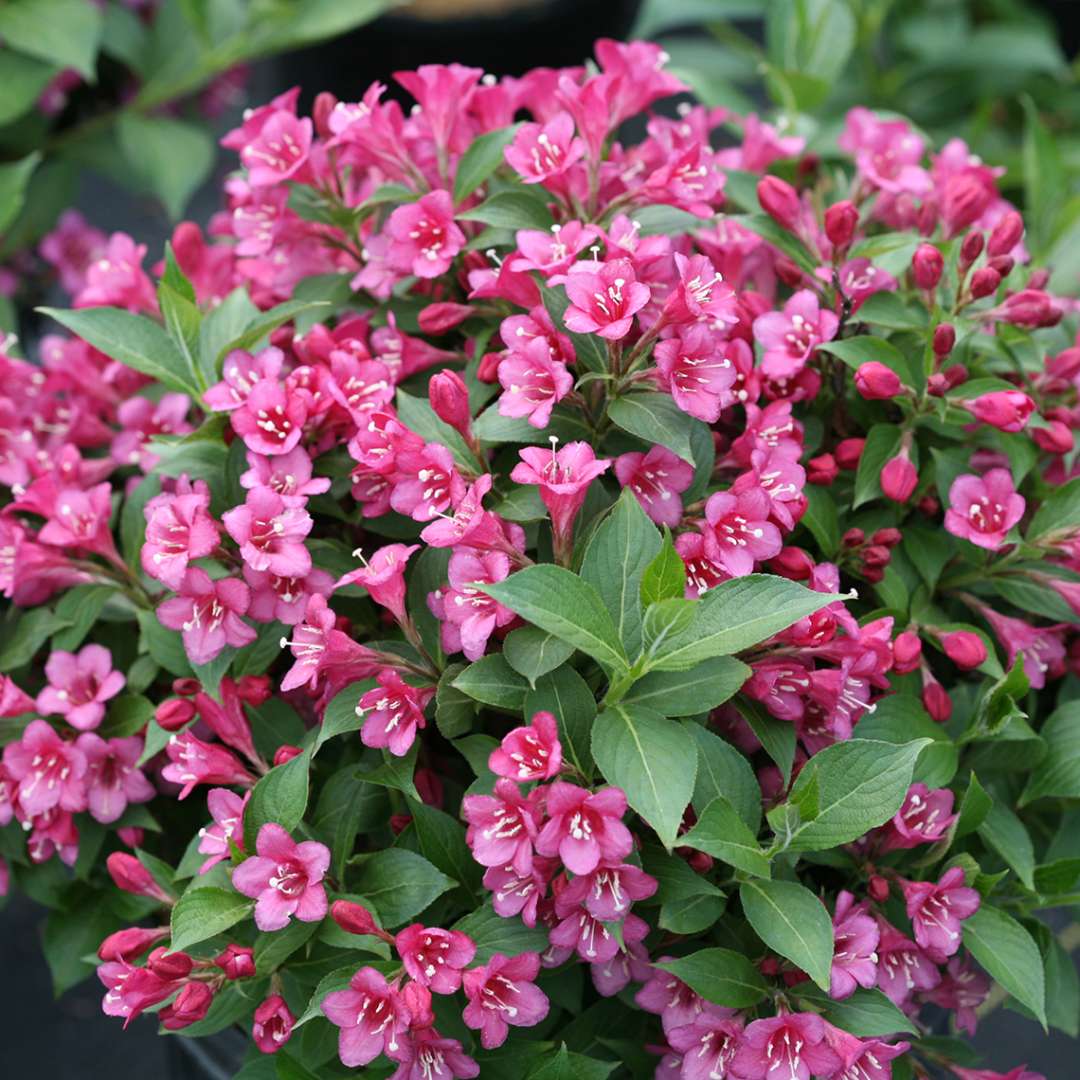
{"points": [[115, 108]]}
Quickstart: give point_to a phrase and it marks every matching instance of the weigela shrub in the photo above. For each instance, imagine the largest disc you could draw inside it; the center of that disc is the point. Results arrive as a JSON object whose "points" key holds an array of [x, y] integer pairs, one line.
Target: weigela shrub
{"points": [[515, 603]]}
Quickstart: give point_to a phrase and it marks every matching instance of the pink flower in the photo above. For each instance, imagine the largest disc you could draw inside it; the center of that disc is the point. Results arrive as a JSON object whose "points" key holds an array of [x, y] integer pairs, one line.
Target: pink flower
{"points": [[394, 712], [855, 941], [702, 573], [70, 249], [113, 778], [435, 958], [207, 613], [1040, 646], [271, 419], [278, 150], [321, 649], [924, 818], [444, 92], [427, 484], [80, 519], [131, 990], [515, 894], [564, 477], [49, 773], [284, 599], [1007, 410], [608, 891], [240, 374], [13, 701], [179, 528], [502, 827], [288, 474], [542, 152], [792, 1046], [604, 301], [188, 1007], [372, 1016], [384, 577], [708, 1043], [669, 998], [657, 479], [983, 509], [117, 278], [903, 967], [700, 371], [936, 911], [192, 762], [469, 616], [284, 878], [962, 989], [554, 251], [533, 382], [582, 932], [471, 525], [700, 294], [789, 338], [425, 1054], [529, 753], [584, 828], [273, 1022], [502, 994], [739, 532], [270, 534], [863, 1059], [423, 236], [227, 810], [887, 153], [79, 685]]}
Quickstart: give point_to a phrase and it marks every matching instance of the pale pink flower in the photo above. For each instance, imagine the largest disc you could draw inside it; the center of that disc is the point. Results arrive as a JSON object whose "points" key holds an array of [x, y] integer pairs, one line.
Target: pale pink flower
{"points": [[79, 686], [983, 509], [208, 615], [284, 878]]}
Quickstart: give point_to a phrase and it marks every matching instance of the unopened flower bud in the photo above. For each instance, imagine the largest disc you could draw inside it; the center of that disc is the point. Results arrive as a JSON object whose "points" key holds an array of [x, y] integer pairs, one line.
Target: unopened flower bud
{"points": [[188, 1007], [174, 713], [237, 961], [853, 538], [1003, 264], [780, 201], [286, 753], [899, 478], [131, 943], [937, 385], [907, 651], [488, 369], [353, 918], [944, 339], [788, 272], [984, 282], [1006, 410], [1055, 438], [449, 397], [888, 536], [1066, 365], [793, 563], [822, 470], [1038, 279], [254, 690], [878, 888], [1033, 308], [970, 249], [186, 687], [848, 452], [927, 266], [439, 317], [272, 1024], [699, 862], [1007, 233], [876, 382], [929, 506], [876, 555], [132, 835], [170, 966], [936, 700], [130, 875], [964, 648], [321, 108], [841, 220]]}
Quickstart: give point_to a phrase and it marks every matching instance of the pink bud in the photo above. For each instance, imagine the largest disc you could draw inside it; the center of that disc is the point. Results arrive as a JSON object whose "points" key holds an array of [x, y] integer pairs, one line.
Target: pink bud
{"points": [[186, 687], [984, 282], [173, 714], [937, 385], [131, 943], [1066, 365], [944, 339], [323, 106], [841, 220], [237, 961], [1006, 235], [848, 452], [440, 317], [1032, 307], [1003, 264], [878, 889], [286, 753], [907, 650], [965, 198], [853, 538], [1056, 438], [449, 397], [955, 375], [488, 370], [188, 1007], [888, 536], [899, 478], [793, 563], [970, 249], [254, 690], [935, 699], [1038, 279], [822, 470], [272, 1025], [876, 555], [876, 382], [1007, 410], [965, 649], [130, 875], [169, 966], [788, 272], [780, 201], [927, 266], [353, 918], [132, 835]]}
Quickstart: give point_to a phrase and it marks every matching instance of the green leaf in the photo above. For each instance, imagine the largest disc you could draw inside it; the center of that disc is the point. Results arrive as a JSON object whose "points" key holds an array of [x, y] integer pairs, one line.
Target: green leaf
{"points": [[1058, 513], [1058, 774], [566, 695], [23, 639], [80, 607], [737, 614], [1062, 989], [61, 32], [273, 949], [777, 737], [720, 832], [665, 576], [866, 1013], [171, 157], [653, 759], [719, 975], [1005, 833], [888, 309], [561, 603], [222, 325], [846, 790], [1006, 950], [882, 444], [863, 349], [280, 796], [516, 209], [23, 79], [73, 932], [442, 843], [399, 883], [812, 37], [132, 340], [722, 770], [614, 564], [780, 238], [655, 418], [821, 519], [563, 1065], [974, 807], [532, 652], [898, 719], [203, 912], [493, 934], [793, 922], [263, 324], [454, 709], [1046, 182], [482, 158], [492, 681], [14, 179], [687, 693], [591, 350]]}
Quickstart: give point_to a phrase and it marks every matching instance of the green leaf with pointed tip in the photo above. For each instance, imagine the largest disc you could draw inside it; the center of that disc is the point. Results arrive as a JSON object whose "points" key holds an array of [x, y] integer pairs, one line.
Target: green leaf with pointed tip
{"points": [[720, 832], [793, 922], [280, 796], [201, 913], [566, 695], [482, 158], [866, 1013], [655, 418], [1058, 774], [494, 682], [719, 975], [1006, 834], [665, 576], [688, 693], [532, 652], [1009, 955]]}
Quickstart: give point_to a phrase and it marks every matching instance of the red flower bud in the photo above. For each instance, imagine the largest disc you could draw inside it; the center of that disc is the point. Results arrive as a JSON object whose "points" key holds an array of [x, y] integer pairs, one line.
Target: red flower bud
{"points": [[169, 966], [449, 397], [937, 385], [788, 272], [944, 339], [853, 538], [699, 862], [188, 1007], [876, 555], [841, 221], [793, 563], [984, 282], [966, 196], [1038, 279], [174, 713], [1003, 264], [936, 699], [429, 786], [286, 753], [399, 823], [955, 375], [888, 536], [1066, 365], [848, 452], [440, 317], [822, 470], [272, 1025], [353, 918], [488, 369], [130, 875], [131, 835], [186, 687], [237, 961], [876, 382], [131, 943], [899, 478], [1056, 438], [929, 506], [1007, 410], [907, 650], [878, 889], [965, 649], [970, 250], [780, 201], [1007, 233], [254, 690], [1031, 307], [927, 266]]}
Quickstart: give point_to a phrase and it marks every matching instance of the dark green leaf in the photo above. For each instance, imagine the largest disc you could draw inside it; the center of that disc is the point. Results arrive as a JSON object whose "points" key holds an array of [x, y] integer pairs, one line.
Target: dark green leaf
{"points": [[719, 975], [203, 912], [793, 922], [1009, 955]]}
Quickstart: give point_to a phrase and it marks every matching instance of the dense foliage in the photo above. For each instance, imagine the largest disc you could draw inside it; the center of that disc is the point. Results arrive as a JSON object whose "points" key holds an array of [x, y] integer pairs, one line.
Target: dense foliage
{"points": [[503, 578]]}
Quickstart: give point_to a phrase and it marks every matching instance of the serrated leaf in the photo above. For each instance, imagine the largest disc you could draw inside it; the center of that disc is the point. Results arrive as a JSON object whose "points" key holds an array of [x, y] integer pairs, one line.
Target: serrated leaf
{"points": [[721, 976], [793, 922], [1009, 955], [720, 832], [201, 913]]}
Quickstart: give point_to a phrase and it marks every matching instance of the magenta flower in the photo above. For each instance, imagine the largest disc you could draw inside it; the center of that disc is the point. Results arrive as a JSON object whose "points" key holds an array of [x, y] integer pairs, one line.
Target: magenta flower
{"points": [[502, 994], [669, 998], [657, 479], [271, 419], [113, 778], [1040, 647], [272, 1023], [700, 294], [129, 991], [924, 818], [702, 573], [563, 476], [288, 474], [444, 92], [435, 958], [863, 1059], [372, 1016], [48, 772], [384, 577], [963, 988], [179, 528], [553, 251], [284, 599], [192, 762], [585, 828], [320, 649], [936, 911], [502, 827], [471, 525], [609, 890], [983, 509], [739, 532], [903, 967], [79, 685], [207, 614], [423, 236], [240, 374], [887, 153], [579, 931], [789, 338], [279, 149], [427, 484], [855, 941], [270, 534], [394, 711], [698, 370], [1007, 410], [528, 753], [604, 301], [80, 519], [284, 878], [708, 1043], [227, 810], [542, 152], [792, 1046], [630, 965], [117, 278], [533, 382], [425, 1054], [469, 616]]}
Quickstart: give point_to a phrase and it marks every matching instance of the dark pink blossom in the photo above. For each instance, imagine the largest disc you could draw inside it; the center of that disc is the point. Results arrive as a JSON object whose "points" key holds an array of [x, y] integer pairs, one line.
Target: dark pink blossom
{"points": [[216, 840], [48, 772], [423, 236], [668, 997], [553, 251], [270, 534], [1040, 647], [708, 1043], [179, 528], [117, 279], [963, 988], [790, 337], [533, 382], [1007, 410], [604, 299], [532, 752], [469, 616], [284, 878], [79, 686], [903, 968], [272, 1024], [584, 828], [435, 958], [427, 483], [937, 910], [393, 712], [541, 152], [192, 762], [113, 778], [384, 577], [863, 1059], [983, 509], [609, 890], [502, 827], [502, 994], [700, 371], [425, 1054], [271, 419], [284, 599], [208, 615], [80, 520], [470, 525], [700, 294], [241, 373], [924, 818], [515, 894], [657, 478], [372, 1016], [792, 1046], [739, 532], [855, 941], [288, 474]]}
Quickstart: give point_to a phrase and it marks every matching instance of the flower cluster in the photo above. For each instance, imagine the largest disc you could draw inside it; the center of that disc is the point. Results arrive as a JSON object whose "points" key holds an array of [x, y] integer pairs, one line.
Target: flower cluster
{"points": [[545, 551]]}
